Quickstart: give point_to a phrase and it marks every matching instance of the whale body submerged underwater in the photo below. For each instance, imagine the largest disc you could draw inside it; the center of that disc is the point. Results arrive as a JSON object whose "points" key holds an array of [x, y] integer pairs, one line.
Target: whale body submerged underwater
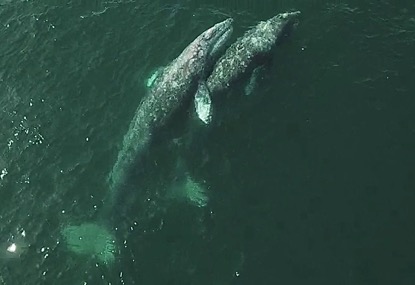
{"points": [[172, 87]]}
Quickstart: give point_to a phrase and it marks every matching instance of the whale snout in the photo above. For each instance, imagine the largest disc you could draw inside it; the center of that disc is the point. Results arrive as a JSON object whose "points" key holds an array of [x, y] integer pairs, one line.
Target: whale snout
{"points": [[289, 18], [217, 36], [213, 34], [284, 24]]}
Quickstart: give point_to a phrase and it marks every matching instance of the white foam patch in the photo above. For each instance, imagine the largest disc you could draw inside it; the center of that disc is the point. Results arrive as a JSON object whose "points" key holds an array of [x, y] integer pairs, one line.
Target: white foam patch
{"points": [[3, 173]]}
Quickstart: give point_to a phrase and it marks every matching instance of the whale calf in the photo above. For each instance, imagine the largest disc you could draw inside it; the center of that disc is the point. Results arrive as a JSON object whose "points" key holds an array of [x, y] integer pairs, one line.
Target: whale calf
{"points": [[172, 87], [241, 58]]}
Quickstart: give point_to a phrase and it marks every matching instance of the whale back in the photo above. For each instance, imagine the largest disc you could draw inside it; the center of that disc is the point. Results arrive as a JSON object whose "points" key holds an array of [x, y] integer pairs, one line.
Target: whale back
{"points": [[242, 55]]}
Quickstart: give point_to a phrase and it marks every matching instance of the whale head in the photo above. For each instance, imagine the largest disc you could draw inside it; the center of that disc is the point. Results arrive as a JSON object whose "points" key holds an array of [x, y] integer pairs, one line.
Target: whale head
{"points": [[216, 37], [205, 47], [281, 24], [267, 33], [284, 23]]}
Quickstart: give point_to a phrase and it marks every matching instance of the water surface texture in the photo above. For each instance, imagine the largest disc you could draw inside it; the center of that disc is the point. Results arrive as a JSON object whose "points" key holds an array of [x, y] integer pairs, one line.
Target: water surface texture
{"points": [[310, 180]]}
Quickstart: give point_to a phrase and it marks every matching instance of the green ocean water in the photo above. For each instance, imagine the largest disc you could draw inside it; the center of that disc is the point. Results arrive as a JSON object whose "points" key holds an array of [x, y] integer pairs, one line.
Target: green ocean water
{"points": [[311, 180]]}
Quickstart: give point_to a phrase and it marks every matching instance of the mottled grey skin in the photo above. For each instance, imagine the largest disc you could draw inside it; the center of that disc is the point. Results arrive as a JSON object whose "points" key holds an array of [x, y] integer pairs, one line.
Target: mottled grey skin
{"points": [[168, 94], [256, 42]]}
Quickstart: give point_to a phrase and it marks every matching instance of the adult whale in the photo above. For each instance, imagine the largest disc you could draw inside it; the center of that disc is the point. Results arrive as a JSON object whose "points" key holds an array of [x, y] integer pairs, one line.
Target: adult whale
{"points": [[174, 85], [241, 58]]}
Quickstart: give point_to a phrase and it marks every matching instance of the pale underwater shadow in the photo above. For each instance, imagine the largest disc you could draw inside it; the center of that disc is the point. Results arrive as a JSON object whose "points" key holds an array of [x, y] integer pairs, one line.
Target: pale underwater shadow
{"points": [[91, 239]]}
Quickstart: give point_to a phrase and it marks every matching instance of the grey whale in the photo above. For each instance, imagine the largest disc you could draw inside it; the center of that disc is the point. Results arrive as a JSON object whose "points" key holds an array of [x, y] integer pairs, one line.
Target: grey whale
{"points": [[171, 89], [241, 58]]}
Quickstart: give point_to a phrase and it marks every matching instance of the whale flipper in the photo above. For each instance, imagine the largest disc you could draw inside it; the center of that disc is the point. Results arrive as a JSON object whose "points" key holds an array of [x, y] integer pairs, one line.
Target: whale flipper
{"points": [[186, 188], [252, 82], [151, 79], [203, 103]]}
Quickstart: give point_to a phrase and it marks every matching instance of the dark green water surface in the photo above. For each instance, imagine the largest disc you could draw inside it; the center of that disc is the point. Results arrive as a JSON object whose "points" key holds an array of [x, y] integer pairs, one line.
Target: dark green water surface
{"points": [[311, 179]]}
